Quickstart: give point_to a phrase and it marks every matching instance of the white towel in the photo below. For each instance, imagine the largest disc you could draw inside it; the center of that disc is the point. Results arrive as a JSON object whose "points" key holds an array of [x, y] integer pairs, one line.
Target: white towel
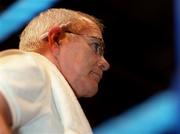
{"points": [[68, 107]]}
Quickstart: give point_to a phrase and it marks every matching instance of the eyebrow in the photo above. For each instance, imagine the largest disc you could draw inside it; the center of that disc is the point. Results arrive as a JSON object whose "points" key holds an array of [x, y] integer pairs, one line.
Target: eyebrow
{"points": [[99, 40]]}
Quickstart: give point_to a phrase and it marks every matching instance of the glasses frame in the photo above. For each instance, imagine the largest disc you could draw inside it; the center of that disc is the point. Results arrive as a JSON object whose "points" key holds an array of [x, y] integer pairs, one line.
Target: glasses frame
{"points": [[98, 43]]}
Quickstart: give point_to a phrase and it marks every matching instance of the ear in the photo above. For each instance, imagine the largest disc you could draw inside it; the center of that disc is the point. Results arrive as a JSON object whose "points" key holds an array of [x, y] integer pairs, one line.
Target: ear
{"points": [[54, 36]]}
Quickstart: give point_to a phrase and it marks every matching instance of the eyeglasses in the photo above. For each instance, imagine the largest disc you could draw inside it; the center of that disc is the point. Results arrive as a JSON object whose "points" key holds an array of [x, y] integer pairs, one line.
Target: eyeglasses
{"points": [[97, 44]]}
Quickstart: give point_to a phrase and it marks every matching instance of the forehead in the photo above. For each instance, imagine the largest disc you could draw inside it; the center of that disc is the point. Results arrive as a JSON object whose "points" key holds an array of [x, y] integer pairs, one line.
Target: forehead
{"points": [[91, 28]]}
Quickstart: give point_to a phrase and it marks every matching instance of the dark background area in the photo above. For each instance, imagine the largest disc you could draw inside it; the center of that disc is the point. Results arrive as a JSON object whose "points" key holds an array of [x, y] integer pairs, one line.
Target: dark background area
{"points": [[139, 46]]}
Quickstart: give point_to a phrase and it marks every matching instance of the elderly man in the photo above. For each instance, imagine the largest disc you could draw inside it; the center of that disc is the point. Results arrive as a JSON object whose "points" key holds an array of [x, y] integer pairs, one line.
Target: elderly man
{"points": [[60, 58]]}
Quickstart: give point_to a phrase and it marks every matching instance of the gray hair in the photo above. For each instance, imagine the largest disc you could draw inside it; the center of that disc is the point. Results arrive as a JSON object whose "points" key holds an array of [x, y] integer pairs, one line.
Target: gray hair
{"points": [[30, 37]]}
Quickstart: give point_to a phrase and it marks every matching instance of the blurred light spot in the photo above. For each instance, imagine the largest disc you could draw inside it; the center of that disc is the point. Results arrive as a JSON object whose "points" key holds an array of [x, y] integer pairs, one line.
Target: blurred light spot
{"points": [[19, 13]]}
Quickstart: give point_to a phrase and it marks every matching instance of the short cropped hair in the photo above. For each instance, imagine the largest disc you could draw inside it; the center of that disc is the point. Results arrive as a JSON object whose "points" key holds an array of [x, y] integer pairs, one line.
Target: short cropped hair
{"points": [[30, 37]]}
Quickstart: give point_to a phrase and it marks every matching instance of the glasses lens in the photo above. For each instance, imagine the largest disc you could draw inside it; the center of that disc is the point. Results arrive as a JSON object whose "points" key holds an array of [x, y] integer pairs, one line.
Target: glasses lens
{"points": [[98, 45]]}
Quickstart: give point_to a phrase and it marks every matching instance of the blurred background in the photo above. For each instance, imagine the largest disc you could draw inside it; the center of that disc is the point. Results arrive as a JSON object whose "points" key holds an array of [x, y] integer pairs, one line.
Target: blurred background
{"points": [[139, 47]]}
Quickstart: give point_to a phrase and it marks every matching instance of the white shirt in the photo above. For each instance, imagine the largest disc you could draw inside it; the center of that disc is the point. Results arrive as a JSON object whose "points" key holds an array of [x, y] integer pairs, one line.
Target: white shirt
{"points": [[40, 99]]}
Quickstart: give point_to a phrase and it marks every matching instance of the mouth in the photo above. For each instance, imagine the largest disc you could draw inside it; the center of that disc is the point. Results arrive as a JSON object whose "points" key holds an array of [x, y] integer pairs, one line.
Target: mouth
{"points": [[97, 76]]}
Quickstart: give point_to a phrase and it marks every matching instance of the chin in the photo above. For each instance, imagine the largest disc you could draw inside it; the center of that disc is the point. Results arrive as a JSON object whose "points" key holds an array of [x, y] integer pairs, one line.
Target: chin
{"points": [[91, 92], [88, 90]]}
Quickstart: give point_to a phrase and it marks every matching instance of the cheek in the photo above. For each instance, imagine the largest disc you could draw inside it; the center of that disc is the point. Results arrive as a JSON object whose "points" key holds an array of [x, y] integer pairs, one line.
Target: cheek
{"points": [[77, 65], [84, 61], [85, 66], [80, 66], [78, 61]]}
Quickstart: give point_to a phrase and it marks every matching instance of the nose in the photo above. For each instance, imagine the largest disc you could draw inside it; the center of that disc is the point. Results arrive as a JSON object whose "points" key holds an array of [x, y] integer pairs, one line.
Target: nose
{"points": [[103, 64]]}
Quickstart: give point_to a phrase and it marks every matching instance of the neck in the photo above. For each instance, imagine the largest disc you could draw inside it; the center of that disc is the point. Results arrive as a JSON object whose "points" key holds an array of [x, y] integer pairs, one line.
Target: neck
{"points": [[49, 55]]}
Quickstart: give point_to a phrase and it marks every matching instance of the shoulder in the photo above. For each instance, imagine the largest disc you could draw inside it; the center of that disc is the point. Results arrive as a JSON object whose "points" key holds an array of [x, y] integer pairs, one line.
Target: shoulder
{"points": [[16, 65], [17, 60], [10, 55], [23, 80], [14, 56]]}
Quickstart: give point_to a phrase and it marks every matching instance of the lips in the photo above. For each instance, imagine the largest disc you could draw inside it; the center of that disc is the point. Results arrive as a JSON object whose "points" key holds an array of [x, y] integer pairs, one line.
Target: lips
{"points": [[96, 75]]}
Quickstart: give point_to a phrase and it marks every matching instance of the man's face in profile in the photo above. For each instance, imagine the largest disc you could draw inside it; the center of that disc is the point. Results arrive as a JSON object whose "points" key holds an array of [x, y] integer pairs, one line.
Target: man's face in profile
{"points": [[80, 62]]}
